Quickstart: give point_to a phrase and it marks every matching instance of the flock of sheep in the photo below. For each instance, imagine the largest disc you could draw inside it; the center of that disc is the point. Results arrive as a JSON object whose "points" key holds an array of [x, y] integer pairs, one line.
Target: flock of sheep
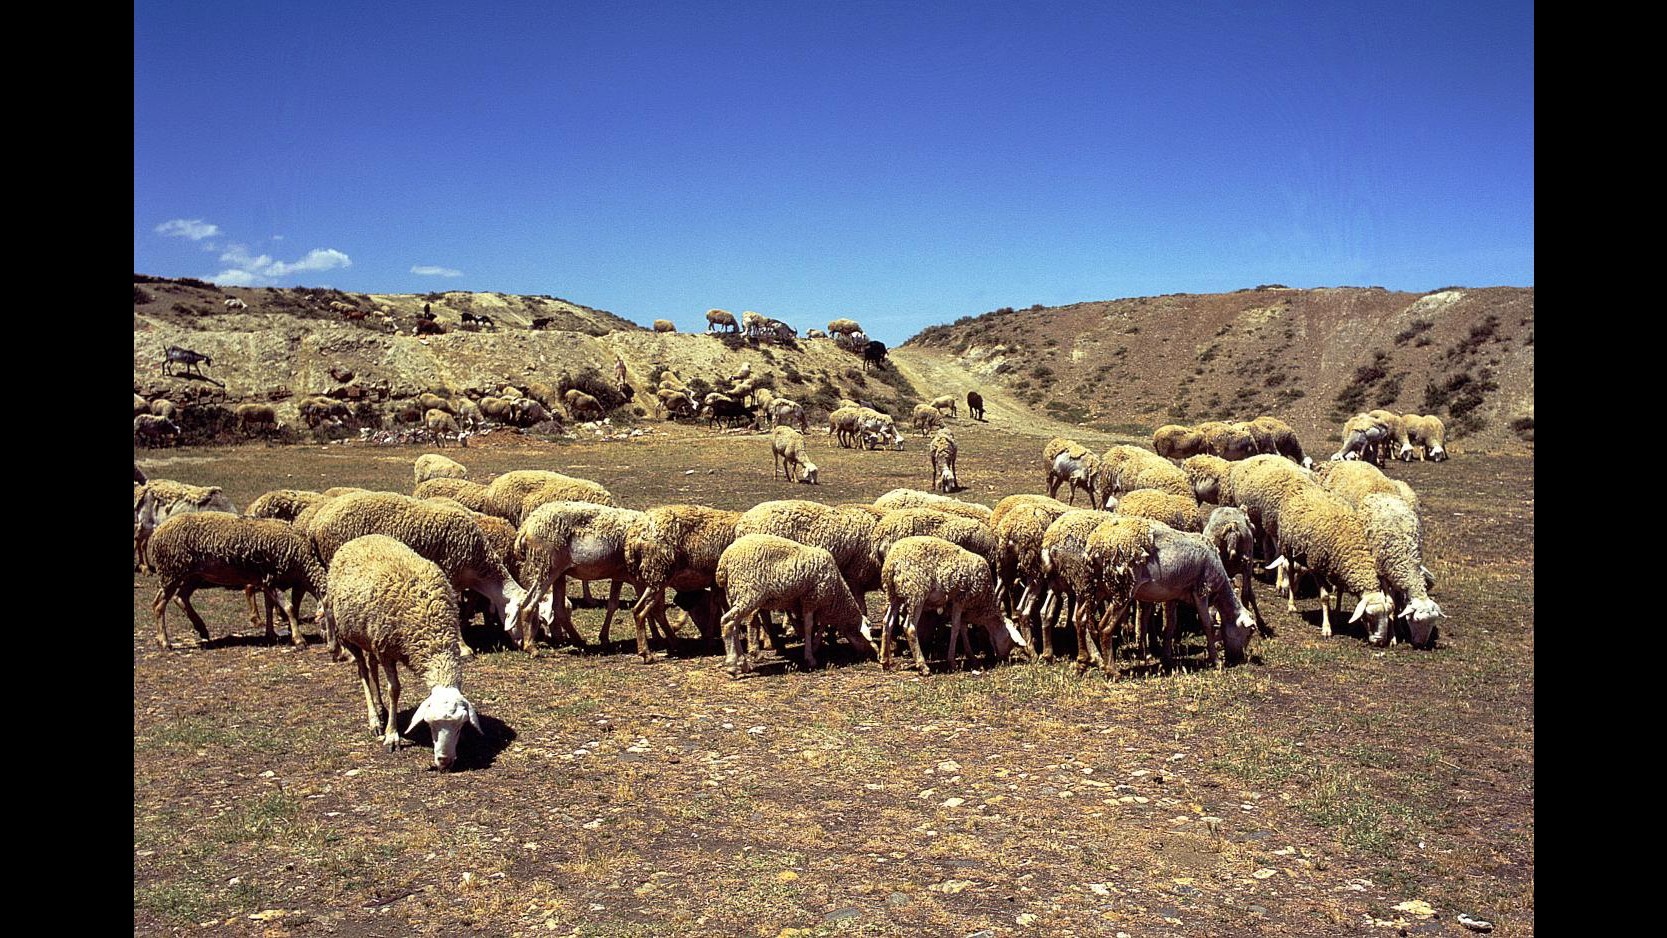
{"points": [[398, 576]]}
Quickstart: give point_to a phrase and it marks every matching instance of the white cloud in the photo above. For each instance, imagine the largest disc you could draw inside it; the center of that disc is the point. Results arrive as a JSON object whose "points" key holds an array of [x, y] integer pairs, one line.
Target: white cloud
{"points": [[194, 228], [253, 270], [429, 270]]}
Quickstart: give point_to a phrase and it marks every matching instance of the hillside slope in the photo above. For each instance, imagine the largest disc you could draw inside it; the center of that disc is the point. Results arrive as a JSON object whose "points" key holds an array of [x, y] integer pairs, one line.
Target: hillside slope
{"points": [[1311, 357]]}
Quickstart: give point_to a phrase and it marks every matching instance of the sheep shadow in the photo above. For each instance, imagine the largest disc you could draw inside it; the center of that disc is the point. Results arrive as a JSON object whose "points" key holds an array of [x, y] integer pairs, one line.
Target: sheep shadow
{"points": [[192, 376], [253, 639], [475, 751]]}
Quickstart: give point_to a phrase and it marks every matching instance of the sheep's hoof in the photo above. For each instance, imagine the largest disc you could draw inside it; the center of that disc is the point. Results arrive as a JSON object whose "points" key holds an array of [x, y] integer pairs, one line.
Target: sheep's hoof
{"points": [[391, 742]]}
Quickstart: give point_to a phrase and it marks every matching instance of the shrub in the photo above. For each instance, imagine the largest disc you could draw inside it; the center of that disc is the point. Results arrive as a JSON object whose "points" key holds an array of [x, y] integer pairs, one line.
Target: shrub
{"points": [[1413, 330], [140, 297], [1523, 427], [1041, 372]]}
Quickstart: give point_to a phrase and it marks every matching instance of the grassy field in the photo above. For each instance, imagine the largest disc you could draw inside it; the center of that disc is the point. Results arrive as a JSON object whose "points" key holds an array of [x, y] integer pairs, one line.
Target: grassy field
{"points": [[1326, 788]]}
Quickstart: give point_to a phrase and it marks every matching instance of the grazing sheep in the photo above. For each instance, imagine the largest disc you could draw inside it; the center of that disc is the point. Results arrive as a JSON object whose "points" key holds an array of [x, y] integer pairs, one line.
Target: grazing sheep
{"points": [[928, 572], [1023, 521], [1072, 464], [721, 317], [787, 446], [876, 429], [434, 466], [1231, 442], [160, 499], [391, 606], [235, 303], [507, 496], [283, 504], [1353, 480], [440, 424], [842, 424], [471, 495], [723, 407], [1362, 436], [1260, 485], [428, 401], [446, 535], [927, 417], [140, 405], [1397, 431], [1396, 538], [255, 418], [968, 533], [1329, 537], [942, 449], [581, 540], [975, 405], [844, 328], [1228, 530], [674, 546], [1425, 431], [915, 498], [150, 430], [815, 334], [162, 407], [317, 409], [762, 572], [678, 403], [1139, 469], [1173, 441], [211, 548], [946, 404], [1066, 578], [752, 324], [582, 406], [1273, 435], [845, 531], [1178, 511], [1161, 565], [784, 410], [664, 325]]}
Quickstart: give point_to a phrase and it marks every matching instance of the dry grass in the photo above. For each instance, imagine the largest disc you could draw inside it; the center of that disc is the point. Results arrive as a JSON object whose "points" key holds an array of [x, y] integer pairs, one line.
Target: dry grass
{"points": [[1308, 792]]}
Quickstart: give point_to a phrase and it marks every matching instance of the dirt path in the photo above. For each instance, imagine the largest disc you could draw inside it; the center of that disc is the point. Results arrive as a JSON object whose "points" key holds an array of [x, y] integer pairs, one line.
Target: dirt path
{"points": [[933, 375]]}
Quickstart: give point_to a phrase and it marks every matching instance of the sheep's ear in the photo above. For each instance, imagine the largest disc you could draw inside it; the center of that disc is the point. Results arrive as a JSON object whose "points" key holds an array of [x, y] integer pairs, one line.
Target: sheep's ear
{"points": [[474, 717], [418, 717], [1359, 610], [1014, 633]]}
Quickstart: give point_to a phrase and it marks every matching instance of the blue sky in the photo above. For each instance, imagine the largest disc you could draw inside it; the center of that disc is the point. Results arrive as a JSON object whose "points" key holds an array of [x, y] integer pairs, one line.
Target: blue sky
{"points": [[900, 163]]}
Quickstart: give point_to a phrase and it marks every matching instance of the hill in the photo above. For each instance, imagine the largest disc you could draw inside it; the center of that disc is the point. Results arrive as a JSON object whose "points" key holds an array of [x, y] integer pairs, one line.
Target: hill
{"points": [[1312, 357]]}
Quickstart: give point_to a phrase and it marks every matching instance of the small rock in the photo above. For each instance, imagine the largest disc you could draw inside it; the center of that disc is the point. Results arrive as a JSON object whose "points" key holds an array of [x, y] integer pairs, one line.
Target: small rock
{"points": [[1025, 918], [950, 766], [1262, 873], [1416, 907], [1474, 924], [897, 900], [786, 876], [839, 915], [954, 802]]}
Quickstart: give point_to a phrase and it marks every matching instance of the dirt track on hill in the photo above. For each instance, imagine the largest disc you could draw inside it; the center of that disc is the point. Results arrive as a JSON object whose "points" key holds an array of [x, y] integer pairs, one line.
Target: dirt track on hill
{"points": [[934, 374]]}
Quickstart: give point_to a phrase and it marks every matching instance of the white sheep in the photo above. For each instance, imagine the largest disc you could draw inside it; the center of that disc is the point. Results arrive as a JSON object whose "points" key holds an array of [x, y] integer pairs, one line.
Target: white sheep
{"points": [[915, 498], [1426, 431], [845, 531], [928, 572], [753, 324], [1362, 436], [389, 606], [942, 450], [945, 403], [513, 494], [1228, 530], [1326, 533], [721, 317], [160, 499], [213, 548], [787, 447], [1070, 463], [151, 430], [761, 572], [1273, 435], [235, 303], [675, 546], [581, 540], [282, 504], [784, 410], [1065, 577], [875, 429], [1396, 538], [1353, 480], [926, 417], [1174, 441], [434, 466]]}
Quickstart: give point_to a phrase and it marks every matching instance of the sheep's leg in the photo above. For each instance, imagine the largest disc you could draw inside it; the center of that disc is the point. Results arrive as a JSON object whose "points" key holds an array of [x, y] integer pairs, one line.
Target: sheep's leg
{"points": [[641, 613], [1325, 609], [886, 628], [159, 605], [1212, 631], [614, 587], [254, 612], [731, 626], [911, 628], [957, 637], [807, 628], [1110, 622], [1079, 621], [390, 735], [184, 600], [564, 617], [370, 682]]}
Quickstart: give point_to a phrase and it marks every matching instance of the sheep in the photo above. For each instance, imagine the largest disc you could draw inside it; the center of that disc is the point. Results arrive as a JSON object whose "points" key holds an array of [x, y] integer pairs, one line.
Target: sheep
{"points": [[721, 317], [915, 498], [527, 412], [1141, 560], [510, 392], [391, 606], [1273, 435], [975, 405], [235, 303], [581, 540], [787, 447], [1209, 477], [674, 546], [440, 423], [815, 334], [198, 549], [945, 403], [845, 531], [723, 407], [139, 477], [678, 403], [1072, 464], [434, 466], [925, 571], [752, 324], [842, 424], [1396, 538], [876, 428], [786, 410], [664, 325], [927, 417], [1397, 431], [446, 535], [507, 495], [1173, 441], [942, 449], [1426, 431], [1228, 530], [150, 430], [762, 398], [500, 546], [968, 533], [428, 401], [1019, 530], [844, 327], [1231, 442], [582, 406], [1260, 485], [762, 572], [160, 499], [255, 418], [1178, 511], [1362, 434], [1353, 480], [471, 495], [1066, 579], [1140, 469], [317, 409], [1327, 534], [282, 504], [140, 405], [162, 407]]}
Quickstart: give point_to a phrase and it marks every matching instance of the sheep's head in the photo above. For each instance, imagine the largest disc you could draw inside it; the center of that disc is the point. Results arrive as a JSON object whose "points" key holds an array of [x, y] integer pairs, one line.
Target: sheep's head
{"points": [[807, 473], [445, 711], [1236, 635], [1376, 607], [1421, 615], [1438, 452]]}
